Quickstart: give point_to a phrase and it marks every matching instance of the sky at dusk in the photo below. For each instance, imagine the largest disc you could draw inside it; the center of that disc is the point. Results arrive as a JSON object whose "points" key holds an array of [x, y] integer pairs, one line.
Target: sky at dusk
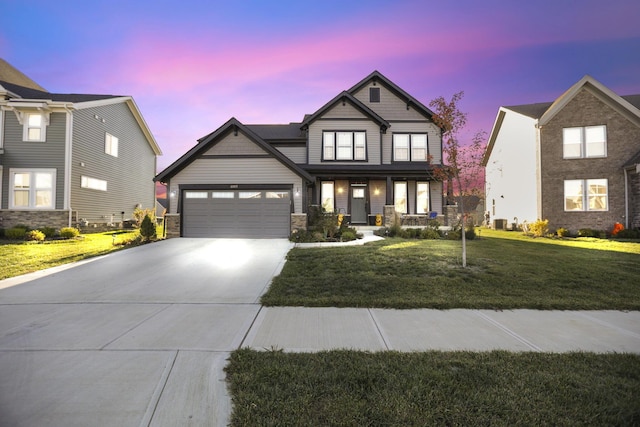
{"points": [[192, 65]]}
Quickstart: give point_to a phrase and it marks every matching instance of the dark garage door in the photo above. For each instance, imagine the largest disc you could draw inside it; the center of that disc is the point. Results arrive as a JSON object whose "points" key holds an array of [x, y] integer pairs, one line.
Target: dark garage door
{"points": [[238, 213]]}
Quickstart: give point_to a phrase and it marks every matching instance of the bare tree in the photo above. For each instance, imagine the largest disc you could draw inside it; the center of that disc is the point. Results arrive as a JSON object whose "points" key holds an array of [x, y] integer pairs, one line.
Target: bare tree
{"points": [[463, 161]]}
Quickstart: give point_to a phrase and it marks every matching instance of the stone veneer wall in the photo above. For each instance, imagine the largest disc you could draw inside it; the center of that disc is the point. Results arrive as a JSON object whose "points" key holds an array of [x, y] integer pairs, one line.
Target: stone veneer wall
{"points": [[35, 219], [172, 225], [298, 222]]}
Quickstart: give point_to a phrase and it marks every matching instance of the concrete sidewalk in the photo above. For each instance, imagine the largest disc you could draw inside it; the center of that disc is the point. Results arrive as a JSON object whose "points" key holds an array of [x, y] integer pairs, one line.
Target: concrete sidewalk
{"points": [[298, 329]]}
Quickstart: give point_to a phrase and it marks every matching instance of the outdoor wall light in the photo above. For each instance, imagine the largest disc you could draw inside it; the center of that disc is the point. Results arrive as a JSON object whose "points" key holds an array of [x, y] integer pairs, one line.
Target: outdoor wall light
{"points": [[340, 190], [376, 191], [172, 194], [297, 191]]}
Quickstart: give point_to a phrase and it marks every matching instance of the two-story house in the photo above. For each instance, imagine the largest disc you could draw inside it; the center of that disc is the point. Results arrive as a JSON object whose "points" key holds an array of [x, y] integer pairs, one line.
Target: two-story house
{"points": [[574, 161], [71, 159], [369, 152]]}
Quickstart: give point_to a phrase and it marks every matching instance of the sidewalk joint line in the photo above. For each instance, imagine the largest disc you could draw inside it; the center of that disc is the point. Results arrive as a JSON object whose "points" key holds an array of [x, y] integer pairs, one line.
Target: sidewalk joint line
{"points": [[508, 331], [375, 323]]}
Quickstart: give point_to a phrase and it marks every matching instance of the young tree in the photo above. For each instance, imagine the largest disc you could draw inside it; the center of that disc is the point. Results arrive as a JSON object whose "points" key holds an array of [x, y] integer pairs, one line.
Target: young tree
{"points": [[463, 161]]}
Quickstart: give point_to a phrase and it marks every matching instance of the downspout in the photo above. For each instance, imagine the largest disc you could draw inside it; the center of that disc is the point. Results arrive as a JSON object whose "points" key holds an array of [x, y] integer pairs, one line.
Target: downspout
{"points": [[626, 198], [538, 171], [67, 164]]}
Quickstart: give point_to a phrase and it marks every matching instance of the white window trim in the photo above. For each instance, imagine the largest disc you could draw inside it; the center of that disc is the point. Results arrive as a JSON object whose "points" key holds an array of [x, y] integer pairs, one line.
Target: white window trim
{"points": [[93, 183], [111, 144], [43, 127], [585, 196], [31, 206], [427, 210], [583, 142]]}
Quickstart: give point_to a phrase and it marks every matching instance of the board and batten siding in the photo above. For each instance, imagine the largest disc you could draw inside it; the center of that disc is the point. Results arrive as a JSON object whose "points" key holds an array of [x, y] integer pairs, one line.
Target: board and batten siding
{"points": [[129, 176], [49, 154], [231, 171], [315, 139]]}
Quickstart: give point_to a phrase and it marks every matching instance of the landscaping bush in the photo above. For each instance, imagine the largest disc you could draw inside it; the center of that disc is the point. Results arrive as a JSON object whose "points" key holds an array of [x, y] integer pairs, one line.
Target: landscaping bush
{"points": [[148, 228], [540, 228], [430, 233], [590, 232], [15, 233], [139, 215], [628, 233], [348, 236], [34, 236], [563, 232], [48, 232], [69, 232]]}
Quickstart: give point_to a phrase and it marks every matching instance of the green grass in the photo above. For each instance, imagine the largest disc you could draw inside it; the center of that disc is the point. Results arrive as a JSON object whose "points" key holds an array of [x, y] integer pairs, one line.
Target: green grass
{"points": [[18, 258], [506, 270], [350, 388]]}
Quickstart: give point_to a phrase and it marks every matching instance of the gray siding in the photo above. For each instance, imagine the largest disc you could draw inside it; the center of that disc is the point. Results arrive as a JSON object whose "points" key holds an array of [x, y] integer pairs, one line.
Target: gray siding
{"points": [[320, 125], [433, 136], [236, 145], [341, 197], [390, 106], [296, 154], [129, 176], [34, 155], [377, 202], [230, 171]]}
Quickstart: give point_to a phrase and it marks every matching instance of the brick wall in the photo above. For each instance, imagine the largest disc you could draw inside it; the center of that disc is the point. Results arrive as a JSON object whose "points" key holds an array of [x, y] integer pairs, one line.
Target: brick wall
{"points": [[623, 137], [634, 205]]}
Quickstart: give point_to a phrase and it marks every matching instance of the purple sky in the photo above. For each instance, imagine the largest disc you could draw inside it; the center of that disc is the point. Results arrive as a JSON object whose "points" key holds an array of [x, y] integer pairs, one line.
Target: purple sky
{"points": [[191, 65]]}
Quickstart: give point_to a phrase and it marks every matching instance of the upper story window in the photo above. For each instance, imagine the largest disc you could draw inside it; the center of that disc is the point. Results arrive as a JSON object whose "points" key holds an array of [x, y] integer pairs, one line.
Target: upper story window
{"points": [[339, 145], [34, 127], [32, 189], [111, 145], [583, 142], [374, 94], [410, 147]]}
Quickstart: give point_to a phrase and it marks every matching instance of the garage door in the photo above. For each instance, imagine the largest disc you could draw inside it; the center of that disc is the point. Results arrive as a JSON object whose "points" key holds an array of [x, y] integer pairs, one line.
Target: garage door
{"points": [[238, 213]]}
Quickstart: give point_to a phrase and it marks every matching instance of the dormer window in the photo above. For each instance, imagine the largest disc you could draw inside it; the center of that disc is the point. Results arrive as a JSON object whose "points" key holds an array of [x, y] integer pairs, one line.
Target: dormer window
{"points": [[374, 94], [34, 127]]}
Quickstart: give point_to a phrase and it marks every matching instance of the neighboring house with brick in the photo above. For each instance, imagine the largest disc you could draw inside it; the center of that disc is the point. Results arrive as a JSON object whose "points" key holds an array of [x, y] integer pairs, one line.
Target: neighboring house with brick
{"points": [[367, 153], [574, 161], [71, 159]]}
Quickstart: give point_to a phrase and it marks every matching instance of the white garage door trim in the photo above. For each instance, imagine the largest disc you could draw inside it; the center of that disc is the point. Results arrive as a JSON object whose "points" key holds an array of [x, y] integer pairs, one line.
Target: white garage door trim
{"points": [[237, 213]]}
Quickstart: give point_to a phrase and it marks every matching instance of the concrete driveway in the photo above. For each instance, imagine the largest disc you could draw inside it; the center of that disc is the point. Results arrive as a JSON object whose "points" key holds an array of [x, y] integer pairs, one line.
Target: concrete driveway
{"points": [[138, 337]]}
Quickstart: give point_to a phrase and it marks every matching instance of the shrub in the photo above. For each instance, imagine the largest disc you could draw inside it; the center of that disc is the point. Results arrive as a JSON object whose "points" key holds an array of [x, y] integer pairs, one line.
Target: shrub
{"points": [[563, 232], [48, 231], [34, 235], [617, 228], [540, 228], [69, 232], [628, 233], [15, 233], [589, 232], [148, 228], [139, 214], [429, 233], [348, 236]]}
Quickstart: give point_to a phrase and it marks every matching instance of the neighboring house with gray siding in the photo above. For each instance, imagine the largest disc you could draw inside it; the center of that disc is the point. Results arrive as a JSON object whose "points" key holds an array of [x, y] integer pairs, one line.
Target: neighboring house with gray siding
{"points": [[574, 161], [369, 152], [70, 159]]}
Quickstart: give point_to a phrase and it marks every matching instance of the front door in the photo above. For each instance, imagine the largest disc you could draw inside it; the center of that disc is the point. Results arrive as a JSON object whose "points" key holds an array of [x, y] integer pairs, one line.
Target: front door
{"points": [[358, 205]]}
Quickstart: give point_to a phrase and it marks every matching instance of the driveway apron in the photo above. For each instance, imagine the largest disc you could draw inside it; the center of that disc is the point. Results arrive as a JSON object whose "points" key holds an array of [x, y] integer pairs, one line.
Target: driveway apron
{"points": [[138, 337]]}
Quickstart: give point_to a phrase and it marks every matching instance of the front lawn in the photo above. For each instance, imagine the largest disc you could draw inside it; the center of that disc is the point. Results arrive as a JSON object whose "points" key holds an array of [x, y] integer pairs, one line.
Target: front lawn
{"points": [[18, 257], [349, 388], [506, 270]]}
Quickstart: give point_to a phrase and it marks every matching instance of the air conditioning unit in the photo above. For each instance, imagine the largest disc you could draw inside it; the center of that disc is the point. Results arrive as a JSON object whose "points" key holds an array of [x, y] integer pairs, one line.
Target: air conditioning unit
{"points": [[499, 224]]}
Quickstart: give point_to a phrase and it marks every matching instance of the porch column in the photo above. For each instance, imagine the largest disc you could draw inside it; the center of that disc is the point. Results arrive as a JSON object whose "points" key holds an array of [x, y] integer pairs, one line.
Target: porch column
{"points": [[389, 192]]}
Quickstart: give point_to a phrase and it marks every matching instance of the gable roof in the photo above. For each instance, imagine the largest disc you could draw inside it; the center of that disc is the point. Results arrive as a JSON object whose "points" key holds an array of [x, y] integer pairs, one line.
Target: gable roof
{"points": [[545, 111], [378, 77], [279, 133], [10, 74], [211, 139], [346, 97], [22, 92], [599, 90]]}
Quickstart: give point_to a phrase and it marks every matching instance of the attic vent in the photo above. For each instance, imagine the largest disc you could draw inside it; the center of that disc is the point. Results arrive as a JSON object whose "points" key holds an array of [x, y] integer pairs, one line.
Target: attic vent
{"points": [[374, 94]]}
